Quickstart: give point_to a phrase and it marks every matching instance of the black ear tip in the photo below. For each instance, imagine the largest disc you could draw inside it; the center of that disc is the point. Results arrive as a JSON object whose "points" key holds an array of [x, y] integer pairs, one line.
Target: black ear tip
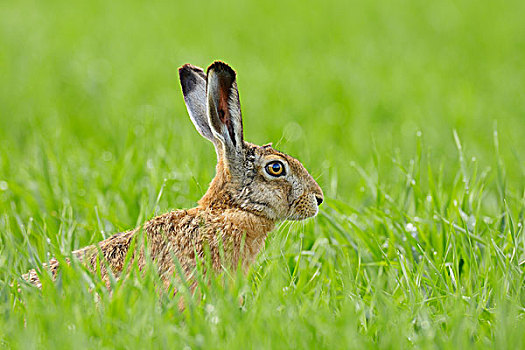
{"points": [[221, 67], [185, 67], [189, 75], [184, 71]]}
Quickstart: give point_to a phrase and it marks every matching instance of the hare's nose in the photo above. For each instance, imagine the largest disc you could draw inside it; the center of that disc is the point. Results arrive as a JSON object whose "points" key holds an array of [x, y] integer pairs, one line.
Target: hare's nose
{"points": [[319, 200]]}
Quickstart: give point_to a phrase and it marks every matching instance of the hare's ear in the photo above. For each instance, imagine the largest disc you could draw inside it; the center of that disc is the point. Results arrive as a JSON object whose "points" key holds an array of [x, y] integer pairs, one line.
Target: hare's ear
{"points": [[193, 83], [224, 108]]}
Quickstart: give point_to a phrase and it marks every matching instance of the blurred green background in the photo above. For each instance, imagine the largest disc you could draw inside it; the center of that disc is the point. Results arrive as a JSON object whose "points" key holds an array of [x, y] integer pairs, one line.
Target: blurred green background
{"points": [[95, 137]]}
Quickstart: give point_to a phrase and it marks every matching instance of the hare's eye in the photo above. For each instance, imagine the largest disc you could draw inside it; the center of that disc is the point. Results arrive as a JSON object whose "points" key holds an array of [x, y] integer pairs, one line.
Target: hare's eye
{"points": [[275, 168]]}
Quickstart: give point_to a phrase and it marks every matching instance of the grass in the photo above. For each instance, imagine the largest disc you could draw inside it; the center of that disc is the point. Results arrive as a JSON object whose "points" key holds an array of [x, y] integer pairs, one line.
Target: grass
{"points": [[411, 116]]}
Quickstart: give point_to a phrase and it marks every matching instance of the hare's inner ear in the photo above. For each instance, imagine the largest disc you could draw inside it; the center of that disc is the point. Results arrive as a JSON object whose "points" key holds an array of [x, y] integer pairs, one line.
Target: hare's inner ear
{"points": [[224, 108], [193, 83]]}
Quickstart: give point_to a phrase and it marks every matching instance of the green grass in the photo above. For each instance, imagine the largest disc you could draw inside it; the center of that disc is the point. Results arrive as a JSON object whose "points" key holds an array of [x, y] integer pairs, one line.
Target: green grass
{"points": [[410, 114]]}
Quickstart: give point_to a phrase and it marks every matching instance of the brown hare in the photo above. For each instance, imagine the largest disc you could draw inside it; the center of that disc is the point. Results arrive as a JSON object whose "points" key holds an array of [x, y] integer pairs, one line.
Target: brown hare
{"points": [[254, 188]]}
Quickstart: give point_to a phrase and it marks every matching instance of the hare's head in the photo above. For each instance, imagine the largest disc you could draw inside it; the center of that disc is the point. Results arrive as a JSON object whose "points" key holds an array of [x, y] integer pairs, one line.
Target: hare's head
{"points": [[257, 179]]}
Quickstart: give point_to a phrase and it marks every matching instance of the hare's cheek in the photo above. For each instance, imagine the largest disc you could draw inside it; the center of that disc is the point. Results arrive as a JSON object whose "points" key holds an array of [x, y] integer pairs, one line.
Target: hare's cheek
{"points": [[293, 188]]}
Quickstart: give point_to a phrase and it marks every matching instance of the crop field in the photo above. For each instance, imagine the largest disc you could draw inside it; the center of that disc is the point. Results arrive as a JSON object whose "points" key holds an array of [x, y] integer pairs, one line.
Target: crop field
{"points": [[409, 114]]}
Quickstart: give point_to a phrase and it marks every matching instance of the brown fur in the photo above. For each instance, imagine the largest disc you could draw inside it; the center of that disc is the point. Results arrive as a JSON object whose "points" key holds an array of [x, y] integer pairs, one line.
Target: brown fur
{"points": [[233, 218]]}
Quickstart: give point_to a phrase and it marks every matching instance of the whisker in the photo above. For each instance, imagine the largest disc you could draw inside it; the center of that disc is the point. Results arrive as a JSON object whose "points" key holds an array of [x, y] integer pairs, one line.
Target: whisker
{"points": [[318, 177], [280, 140]]}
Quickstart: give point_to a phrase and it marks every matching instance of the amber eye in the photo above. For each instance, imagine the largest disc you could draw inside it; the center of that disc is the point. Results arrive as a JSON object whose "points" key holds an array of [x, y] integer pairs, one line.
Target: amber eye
{"points": [[275, 168]]}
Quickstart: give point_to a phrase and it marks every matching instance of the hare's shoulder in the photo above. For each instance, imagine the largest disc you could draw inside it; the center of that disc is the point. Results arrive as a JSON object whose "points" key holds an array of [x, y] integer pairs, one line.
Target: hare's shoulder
{"points": [[174, 223], [178, 233]]}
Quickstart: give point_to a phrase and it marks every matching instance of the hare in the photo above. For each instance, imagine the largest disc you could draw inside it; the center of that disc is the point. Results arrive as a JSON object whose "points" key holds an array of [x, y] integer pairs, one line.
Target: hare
{"points": [[254, 188]]}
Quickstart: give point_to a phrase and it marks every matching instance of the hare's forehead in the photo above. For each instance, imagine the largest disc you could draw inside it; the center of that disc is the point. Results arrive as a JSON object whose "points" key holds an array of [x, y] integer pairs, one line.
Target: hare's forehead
{"points": [[267, 154]]}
